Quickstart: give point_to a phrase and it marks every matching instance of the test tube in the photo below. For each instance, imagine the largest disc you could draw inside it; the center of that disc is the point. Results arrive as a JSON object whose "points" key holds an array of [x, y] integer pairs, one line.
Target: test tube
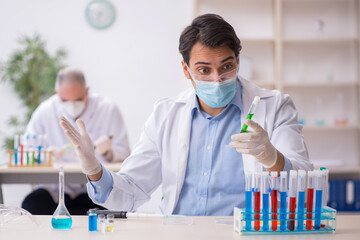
{"points": [[251, 112], [248, 200], [318, 202], [265, 198], [301, 199], [292, 196], [44, 147], [39, 143], [33, 146], [283, 190], [310, 199], [325, 186], [27, 149], [21, 149], [257, 184], [16, 147], [274, 190]]}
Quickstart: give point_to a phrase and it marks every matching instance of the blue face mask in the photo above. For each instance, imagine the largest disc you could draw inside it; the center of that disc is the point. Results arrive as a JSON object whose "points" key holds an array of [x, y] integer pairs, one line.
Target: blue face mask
{"points": [[216, 94]]}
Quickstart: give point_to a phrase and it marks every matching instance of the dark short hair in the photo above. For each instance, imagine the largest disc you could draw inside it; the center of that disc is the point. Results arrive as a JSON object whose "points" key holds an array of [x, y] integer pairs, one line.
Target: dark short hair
{"points": [[210, 30]]}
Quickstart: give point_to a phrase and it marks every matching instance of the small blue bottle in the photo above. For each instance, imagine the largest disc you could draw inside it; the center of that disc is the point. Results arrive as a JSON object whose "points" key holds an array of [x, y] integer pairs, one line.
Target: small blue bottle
{"points": [[92, 220]]}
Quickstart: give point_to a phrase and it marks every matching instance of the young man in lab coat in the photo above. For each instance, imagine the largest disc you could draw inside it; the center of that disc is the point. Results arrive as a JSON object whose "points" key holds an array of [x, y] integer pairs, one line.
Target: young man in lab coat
{"points": [[191, 144], [105, 127]]}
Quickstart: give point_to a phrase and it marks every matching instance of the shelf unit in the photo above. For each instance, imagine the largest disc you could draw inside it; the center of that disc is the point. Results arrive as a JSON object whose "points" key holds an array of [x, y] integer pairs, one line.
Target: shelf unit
{"points": [[310, 50]]}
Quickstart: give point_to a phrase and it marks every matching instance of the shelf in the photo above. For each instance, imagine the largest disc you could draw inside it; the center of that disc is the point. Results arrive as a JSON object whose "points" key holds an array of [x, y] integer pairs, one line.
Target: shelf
{"points": [[309, 49], [256, 40], [321, 40], [321, 85], [331, 128], [267, 85]]}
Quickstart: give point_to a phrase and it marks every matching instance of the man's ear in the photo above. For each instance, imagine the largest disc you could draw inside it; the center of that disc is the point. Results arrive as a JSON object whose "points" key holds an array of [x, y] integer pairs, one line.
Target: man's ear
{"points": [[237, 60], [185, 70]]}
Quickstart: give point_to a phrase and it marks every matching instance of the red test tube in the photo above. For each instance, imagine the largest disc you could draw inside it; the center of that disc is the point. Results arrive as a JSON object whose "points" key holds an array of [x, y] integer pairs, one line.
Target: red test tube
{"points": [[274, 190], [21, 149], [292, 195], [257, 182], [310, 199]]}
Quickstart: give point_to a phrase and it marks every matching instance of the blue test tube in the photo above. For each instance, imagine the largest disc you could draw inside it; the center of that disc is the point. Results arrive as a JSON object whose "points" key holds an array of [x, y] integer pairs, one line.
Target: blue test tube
{"points": [[248, 200], [39, 143], [301, 198], [265, 185], [318, 202], [283, 190], [16, 147]]}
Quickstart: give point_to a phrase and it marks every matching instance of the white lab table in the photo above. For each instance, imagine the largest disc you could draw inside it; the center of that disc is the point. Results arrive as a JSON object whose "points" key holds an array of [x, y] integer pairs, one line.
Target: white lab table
{"points": [[158, 228]]}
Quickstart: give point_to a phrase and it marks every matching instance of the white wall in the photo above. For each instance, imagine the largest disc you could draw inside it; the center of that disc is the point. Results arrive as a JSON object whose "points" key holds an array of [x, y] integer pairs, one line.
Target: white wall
{"points": [[134, 62]]}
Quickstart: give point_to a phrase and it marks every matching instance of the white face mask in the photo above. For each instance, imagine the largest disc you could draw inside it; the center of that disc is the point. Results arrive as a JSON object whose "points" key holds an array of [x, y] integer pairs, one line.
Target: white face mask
{"points": [[74, 108]]}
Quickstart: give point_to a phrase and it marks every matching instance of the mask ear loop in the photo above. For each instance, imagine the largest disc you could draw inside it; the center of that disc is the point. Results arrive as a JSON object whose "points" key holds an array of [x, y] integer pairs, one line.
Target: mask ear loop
{"points": [[190, 72]]}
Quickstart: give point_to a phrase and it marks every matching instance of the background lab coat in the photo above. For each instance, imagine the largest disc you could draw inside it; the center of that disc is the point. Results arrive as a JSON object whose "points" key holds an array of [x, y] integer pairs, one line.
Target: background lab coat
{"points": [[161, 154], [101, 117]]}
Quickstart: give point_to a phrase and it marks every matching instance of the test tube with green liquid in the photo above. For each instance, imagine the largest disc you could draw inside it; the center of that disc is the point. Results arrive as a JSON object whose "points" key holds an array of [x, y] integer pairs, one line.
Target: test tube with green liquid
{"points": [[251, 112]]}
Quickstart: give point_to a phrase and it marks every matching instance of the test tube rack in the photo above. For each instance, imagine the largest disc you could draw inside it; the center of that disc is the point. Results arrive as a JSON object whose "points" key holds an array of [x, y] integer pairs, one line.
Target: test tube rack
{"points": [[328, 222], [46, 158]]}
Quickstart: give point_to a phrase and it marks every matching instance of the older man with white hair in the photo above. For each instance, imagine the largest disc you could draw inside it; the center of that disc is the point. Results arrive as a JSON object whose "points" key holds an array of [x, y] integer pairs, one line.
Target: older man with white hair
{"points": [[106, 128]]}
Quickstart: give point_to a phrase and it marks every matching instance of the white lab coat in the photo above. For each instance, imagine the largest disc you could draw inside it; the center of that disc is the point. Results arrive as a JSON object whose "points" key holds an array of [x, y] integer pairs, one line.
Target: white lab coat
{"points": [[160, 156], [101, 117]]}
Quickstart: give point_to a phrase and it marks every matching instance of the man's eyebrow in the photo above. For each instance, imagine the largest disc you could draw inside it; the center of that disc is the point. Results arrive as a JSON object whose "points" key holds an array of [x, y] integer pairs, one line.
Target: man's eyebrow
{"points": [[80, 98], [207, 63], [228, 58]]}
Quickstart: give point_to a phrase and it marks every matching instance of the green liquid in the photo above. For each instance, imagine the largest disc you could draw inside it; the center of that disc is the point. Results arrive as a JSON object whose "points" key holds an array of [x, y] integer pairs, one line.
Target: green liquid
{"points": [[61, 223], [244, 128]]}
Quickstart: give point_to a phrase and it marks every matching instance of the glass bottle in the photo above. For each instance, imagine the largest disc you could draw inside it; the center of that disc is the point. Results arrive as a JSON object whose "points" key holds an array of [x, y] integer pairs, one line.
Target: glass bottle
{"points": [[101, 222], [92, 220], [61, 218], [110, 223]]}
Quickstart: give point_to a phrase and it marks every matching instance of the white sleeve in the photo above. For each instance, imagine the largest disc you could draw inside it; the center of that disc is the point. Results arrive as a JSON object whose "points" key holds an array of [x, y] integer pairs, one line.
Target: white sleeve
{"points": [[287, 135], [140, 173]]}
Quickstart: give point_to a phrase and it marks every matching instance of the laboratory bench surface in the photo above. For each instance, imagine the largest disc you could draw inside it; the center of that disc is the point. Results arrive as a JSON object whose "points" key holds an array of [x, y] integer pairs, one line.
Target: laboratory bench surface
{"points": [[157, 228]]}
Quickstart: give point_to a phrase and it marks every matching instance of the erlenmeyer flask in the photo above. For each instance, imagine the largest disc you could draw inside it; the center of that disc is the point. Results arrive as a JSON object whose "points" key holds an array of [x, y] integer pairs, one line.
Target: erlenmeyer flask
{"points": [[61, 218]]}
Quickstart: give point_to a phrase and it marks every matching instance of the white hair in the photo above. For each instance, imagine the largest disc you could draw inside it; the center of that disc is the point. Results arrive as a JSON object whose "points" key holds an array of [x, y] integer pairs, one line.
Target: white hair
{"points": [[70, 74]]}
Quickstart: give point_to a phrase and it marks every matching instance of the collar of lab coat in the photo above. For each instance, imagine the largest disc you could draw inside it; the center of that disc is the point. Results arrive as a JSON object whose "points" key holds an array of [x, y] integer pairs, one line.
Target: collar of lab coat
{"points": [[249, 91]]}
